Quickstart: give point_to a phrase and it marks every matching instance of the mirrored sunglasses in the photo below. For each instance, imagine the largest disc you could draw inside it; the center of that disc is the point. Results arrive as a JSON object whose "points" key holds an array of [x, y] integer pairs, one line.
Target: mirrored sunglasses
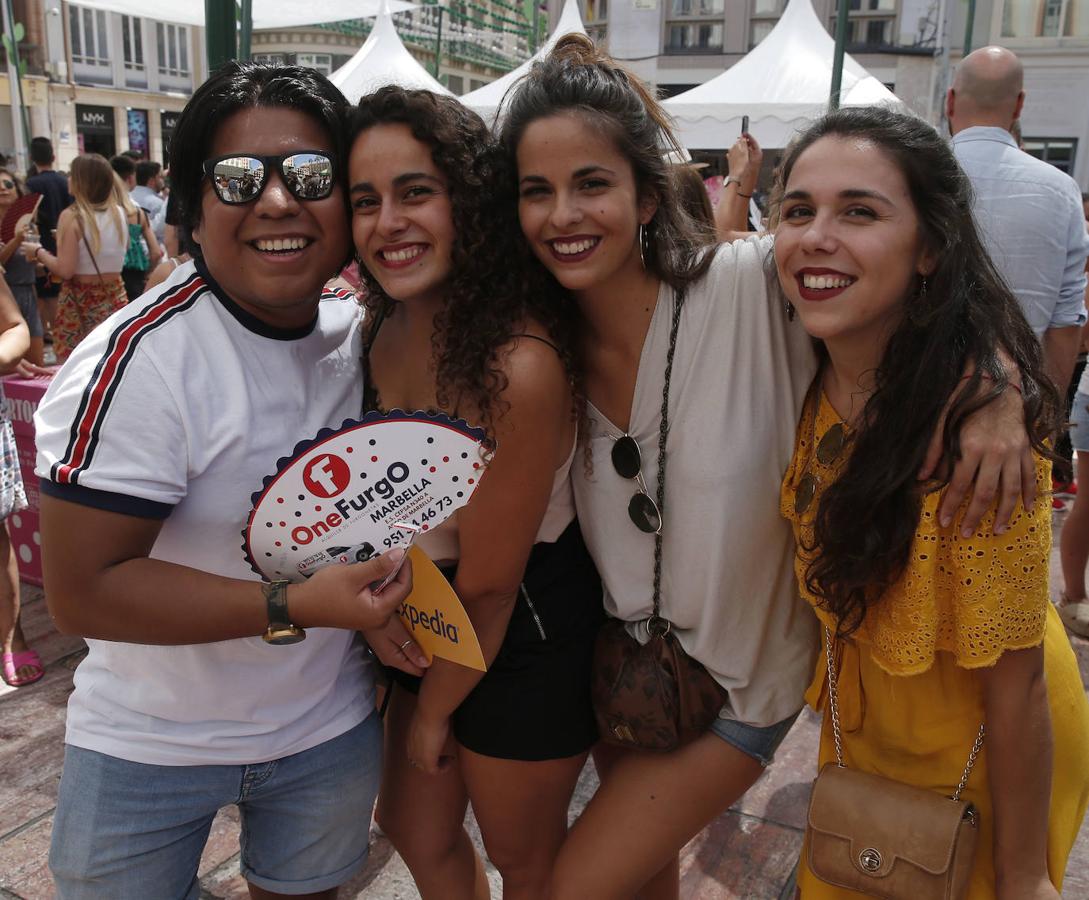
{"points": [[241, 179], [628, 463]]}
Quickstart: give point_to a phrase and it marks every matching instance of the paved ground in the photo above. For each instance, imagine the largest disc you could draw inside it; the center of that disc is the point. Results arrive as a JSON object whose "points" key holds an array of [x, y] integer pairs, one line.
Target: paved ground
{"points": [[748, 852]]}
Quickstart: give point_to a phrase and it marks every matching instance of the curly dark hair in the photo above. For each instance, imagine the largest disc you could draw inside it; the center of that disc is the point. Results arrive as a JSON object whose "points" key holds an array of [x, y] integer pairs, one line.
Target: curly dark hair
{"points": [[866, 521], [576, 77], [493, 290]]}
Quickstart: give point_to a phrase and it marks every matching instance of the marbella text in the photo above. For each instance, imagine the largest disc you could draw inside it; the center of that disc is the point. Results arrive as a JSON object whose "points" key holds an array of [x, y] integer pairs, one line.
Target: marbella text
{"points": [[382, 492]]}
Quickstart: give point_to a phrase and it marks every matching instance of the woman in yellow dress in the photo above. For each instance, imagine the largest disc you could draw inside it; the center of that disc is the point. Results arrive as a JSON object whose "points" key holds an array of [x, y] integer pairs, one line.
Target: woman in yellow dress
{"points": [[935, 632]]}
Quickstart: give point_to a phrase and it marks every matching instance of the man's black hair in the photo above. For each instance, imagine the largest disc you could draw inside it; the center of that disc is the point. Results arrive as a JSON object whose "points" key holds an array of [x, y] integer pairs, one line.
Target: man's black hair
{"points": [[236, 86], [123, 165], [146, 169], [41, 151]]}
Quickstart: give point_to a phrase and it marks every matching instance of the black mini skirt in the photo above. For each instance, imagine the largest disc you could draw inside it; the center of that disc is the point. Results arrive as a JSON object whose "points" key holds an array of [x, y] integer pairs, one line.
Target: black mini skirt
{"points": [[533, 703]]}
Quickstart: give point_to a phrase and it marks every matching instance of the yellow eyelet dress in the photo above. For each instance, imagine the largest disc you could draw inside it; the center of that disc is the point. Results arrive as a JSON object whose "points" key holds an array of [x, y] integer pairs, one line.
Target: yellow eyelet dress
{"points": [[909, 703]]}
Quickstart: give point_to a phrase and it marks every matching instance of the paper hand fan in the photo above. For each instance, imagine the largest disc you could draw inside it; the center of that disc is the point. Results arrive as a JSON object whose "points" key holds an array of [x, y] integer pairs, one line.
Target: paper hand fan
{"points": [[337, 498], [20, 213]]}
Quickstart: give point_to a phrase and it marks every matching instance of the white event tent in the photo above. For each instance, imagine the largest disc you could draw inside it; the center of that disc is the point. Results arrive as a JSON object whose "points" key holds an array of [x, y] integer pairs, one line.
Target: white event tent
{"points": [[383, 60], [485, 101], [266, 13], [780, 85]]}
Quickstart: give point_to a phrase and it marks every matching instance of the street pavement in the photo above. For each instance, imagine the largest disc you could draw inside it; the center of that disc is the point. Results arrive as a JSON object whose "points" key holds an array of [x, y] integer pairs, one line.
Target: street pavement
{"points": [[747, 853]]}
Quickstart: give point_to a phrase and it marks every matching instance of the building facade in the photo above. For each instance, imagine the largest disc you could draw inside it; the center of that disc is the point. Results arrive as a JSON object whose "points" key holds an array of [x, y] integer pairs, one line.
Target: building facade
{"points": [[678, 44], [1052, 39], [476, 42], [100, 81]]}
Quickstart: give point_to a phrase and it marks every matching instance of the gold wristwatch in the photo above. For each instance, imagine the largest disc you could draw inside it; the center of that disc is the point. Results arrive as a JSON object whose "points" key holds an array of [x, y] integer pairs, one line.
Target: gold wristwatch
{"points": [[280, 630]]}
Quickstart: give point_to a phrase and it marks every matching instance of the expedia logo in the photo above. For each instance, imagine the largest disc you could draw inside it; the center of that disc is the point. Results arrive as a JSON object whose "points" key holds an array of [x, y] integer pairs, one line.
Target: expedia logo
{"points": [[435, 622]]}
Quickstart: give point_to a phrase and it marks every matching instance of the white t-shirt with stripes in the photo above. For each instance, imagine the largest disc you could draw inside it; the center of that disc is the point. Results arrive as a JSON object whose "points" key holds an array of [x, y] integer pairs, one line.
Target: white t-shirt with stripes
{"points": [[175, 408]]}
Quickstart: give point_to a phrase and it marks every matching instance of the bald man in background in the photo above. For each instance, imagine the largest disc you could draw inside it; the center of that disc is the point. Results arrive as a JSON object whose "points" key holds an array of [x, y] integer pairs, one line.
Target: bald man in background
{"points": [[1029, 212]]}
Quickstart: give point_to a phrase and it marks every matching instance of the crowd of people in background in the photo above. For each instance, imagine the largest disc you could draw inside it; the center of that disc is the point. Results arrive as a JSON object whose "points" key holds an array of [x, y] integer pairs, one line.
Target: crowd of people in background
{"points": [[97, 235], [856, 398]]}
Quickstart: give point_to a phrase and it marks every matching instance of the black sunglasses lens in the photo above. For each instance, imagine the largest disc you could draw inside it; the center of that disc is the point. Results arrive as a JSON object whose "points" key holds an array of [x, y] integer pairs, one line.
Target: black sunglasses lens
{"points": [[7, 184], [626, 458], [644, 513], [309, 176], [238, 179]]}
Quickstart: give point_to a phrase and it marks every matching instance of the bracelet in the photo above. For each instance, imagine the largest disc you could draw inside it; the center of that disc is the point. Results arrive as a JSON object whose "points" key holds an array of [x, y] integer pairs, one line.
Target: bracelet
{"points": [[985, 377]]}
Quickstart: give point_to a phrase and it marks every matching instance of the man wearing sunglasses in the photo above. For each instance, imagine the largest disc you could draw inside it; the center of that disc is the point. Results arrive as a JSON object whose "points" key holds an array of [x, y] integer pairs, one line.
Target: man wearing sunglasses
{"points": [[199, 689]]}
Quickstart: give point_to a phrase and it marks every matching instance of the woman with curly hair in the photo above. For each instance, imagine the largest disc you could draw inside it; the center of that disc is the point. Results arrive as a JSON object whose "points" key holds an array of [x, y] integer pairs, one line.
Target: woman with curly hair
{"points": [[456, 325], [936, 641]]}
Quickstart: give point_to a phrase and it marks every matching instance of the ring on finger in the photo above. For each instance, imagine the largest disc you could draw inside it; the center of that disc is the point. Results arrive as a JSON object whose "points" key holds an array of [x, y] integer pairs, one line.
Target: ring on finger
{"points": [[405, 644]]}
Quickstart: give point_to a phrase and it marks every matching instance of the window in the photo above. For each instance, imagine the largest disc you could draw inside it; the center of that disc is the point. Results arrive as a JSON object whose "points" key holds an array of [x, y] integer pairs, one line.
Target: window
{"points": [[873, 32], [173, 41], [697, 7], [758, 31], [1045, 18], [132, 41], [1057, 151], [765, 14], [88, 36], [694, 37], [456, 83], [269, 59], [597, 10], [871, 23], [323, 62]]}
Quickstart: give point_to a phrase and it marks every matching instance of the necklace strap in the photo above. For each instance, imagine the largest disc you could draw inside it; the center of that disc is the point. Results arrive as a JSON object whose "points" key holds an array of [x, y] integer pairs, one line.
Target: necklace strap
{"points": [[663, 433]]}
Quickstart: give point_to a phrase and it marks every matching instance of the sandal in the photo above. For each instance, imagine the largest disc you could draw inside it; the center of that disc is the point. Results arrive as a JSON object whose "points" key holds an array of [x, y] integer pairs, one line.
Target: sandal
{"points": [[1075, 615], [13, 662]]}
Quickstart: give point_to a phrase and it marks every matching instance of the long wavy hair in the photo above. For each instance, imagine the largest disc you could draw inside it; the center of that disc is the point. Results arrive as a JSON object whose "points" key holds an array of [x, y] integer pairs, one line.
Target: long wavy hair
{"points": [[492, 289], [866, 521], [91, 180], [576, 77]]}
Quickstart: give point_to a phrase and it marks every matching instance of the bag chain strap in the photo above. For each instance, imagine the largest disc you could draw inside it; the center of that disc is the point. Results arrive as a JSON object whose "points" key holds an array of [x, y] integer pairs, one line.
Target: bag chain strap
{"points": [[837, 736], [663, 433]]}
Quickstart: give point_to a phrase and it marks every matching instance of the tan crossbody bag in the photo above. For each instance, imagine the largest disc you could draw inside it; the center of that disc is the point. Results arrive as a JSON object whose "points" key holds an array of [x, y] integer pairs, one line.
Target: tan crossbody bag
{"points": [[884, 838]]}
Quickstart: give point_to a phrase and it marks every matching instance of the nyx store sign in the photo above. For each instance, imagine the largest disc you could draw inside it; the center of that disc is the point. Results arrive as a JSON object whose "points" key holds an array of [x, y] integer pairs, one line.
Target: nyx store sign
{"points": [[94, 119]]}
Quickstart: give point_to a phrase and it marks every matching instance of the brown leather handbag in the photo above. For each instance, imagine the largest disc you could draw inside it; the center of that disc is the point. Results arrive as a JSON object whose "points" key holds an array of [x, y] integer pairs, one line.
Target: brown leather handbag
{"points": [[652, 696], [885, 838]]}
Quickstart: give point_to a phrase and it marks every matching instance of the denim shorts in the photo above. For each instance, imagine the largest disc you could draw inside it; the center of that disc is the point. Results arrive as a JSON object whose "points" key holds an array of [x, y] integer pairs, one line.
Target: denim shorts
{"points": [[128, 831], [1079, 423], [758, 742]]}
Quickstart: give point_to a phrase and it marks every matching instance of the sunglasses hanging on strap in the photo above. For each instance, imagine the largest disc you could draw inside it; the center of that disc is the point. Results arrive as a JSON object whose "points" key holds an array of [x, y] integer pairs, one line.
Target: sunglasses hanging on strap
{"points": [[650, 696]]}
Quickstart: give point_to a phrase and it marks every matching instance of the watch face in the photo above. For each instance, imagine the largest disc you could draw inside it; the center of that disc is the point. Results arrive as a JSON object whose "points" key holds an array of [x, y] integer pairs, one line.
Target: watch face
{"points": [[285, 634]]}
